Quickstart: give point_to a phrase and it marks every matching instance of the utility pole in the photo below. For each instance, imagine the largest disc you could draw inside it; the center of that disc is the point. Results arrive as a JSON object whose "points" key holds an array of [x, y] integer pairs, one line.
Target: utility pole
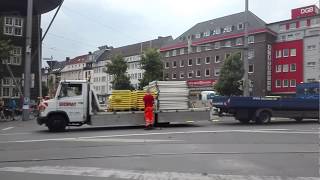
{"points": [[245, 52], [27, 64]]}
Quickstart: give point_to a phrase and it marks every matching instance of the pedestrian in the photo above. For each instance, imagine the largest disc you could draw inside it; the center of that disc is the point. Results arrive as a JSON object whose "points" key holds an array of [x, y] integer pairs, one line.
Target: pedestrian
{"points": [[2, 116], [12, 107], [148, 110]]}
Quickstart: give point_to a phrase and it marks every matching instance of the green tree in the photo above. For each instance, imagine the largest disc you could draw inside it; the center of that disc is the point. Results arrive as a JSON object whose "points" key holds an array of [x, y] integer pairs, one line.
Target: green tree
{"points": [[230, 75], [45, 89], [5, 48], [118, 68], [153, 66]]}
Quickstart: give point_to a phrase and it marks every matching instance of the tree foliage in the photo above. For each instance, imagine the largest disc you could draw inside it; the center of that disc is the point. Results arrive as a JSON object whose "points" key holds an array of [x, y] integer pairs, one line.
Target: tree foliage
{"points": [[5, 48], [118, 68], [153, 66], [230, 75]]}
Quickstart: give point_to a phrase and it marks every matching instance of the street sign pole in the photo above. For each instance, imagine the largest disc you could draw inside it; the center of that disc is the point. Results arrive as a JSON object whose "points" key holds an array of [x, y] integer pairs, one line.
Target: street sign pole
{"points": [[27, 64]]}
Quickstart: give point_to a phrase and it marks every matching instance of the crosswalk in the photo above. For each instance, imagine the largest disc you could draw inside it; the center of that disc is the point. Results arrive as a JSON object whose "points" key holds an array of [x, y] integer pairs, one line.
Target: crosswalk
{"points": [[137, 174]]}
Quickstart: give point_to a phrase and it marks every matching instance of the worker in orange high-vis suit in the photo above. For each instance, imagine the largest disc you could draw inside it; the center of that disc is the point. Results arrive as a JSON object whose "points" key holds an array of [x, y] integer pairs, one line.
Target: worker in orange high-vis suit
{"points": [[148, 110]]}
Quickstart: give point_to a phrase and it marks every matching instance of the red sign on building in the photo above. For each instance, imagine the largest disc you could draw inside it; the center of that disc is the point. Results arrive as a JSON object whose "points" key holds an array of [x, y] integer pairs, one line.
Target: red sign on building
{"points": [[201, 83], [304, 12]]}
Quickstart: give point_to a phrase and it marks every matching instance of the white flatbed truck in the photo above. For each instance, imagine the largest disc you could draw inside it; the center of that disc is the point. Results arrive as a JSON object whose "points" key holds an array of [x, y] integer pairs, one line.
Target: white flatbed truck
{"points": [[76, 104]]}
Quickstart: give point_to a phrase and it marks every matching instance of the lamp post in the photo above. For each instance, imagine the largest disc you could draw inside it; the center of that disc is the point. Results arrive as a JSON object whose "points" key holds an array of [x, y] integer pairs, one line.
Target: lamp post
{"points": [[27, 65]]}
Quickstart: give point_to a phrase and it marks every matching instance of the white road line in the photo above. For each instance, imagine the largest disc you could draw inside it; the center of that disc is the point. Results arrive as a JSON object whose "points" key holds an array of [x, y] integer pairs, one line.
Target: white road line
{"points": [[166, 133], [8, 128], [122, 140], [11, 134], [139, 175]]}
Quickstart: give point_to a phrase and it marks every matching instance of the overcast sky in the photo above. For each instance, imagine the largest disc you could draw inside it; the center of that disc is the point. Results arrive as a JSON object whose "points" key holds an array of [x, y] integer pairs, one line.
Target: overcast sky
{"points": [[83, 25]]}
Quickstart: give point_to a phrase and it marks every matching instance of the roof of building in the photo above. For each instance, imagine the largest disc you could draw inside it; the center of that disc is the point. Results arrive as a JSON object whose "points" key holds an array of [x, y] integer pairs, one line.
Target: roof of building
{"points": [[135, 49], [255, 23], [58, 66], [78, 59]]}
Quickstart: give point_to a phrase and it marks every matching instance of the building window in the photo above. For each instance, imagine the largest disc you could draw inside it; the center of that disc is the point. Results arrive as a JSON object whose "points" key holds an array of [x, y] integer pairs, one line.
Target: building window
{"points": [[292, 83], [283, 37], [207, 60], [227, 44], [278, 53], [174, 52], [5, 91], [13, 26], [217, 72], [285, 52], [8, 21], [311, 64], [240, 26], [290, 37], [293, 52], [285, 83], [303, 23], [181, 51], [251, 54], [278, 83], [218, 30], [293, 67], [285, 68], [181, 75], [198, 74], [174, 64], [206, 34], [282, 27], [198, 49], [311, 47], [190, 74], [279, 68], [217, 59], [198, 36], [314, 21], [239, 41], [181, 63], [251, 68], [6, 82], [190, 62], [167, 54], [174, 76], [251, 39], [208, 47], [207, 72], [227, 55], [292, 25], [167, 65], [198, 61], [217, 45]]}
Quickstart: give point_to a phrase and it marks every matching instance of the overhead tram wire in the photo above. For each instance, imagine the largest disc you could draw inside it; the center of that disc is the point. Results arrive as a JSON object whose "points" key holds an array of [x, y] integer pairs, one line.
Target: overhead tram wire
{"points": [[69, 39], [94, 20]]}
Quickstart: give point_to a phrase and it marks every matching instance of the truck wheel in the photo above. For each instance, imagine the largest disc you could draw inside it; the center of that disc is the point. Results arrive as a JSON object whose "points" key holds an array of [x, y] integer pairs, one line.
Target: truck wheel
{"points": [[264, 117], [56, 123], [298, 119]]}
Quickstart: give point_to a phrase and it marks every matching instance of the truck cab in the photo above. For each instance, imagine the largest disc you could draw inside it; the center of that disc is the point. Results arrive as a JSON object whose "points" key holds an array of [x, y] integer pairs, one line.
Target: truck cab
{"points": [[70, 106]]}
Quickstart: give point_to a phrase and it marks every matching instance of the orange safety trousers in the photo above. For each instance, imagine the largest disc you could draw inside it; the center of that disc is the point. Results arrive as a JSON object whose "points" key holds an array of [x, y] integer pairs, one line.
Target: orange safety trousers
{"points": [[148, 115]]}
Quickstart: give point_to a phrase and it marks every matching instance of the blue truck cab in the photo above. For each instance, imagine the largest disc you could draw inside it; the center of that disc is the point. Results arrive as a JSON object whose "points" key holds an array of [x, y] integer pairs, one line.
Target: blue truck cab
{"points": [[305, 105]]}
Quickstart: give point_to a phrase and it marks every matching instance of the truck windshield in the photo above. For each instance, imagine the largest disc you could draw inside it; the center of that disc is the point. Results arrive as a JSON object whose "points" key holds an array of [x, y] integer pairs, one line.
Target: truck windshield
{"points": [[70, 90]]}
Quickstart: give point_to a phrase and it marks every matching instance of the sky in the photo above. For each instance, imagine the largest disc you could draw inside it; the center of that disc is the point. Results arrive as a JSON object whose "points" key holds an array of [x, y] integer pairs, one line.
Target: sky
{"points": [[82, 26]]}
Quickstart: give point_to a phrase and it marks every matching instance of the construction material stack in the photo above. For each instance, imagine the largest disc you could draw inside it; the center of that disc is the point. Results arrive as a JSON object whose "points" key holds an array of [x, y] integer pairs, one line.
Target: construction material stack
{"points": [[121, 100], [172, 95]]}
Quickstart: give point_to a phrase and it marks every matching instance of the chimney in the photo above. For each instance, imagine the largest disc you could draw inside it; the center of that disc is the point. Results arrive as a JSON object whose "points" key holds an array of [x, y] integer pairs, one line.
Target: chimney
{"points": [[90, 53], [67, 59]]}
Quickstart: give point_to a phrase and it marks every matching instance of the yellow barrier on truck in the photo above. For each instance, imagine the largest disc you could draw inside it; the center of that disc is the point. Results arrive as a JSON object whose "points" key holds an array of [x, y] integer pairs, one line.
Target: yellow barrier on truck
{"points": [[121, 100]]}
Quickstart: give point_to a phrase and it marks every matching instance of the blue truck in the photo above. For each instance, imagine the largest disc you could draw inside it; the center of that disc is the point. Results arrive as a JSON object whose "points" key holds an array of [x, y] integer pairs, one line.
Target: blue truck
{"points": [[304, 105]]}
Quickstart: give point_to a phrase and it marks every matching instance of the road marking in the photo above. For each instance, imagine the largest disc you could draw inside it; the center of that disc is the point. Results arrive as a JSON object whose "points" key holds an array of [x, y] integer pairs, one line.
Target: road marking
{"points": [[121, 140], [8, 128], [139, 175], [11, 134], [166, 133]]}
